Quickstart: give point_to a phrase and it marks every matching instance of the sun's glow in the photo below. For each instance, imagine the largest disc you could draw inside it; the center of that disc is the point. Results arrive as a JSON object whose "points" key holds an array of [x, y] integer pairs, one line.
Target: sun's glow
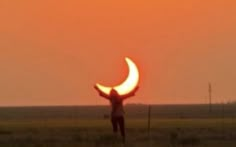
{"points": [[128, 85]]}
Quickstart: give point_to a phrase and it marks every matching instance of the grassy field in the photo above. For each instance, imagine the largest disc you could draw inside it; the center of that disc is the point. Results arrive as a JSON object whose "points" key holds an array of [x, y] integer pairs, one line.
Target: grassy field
{"points": [[164, 132], [44, 127]]}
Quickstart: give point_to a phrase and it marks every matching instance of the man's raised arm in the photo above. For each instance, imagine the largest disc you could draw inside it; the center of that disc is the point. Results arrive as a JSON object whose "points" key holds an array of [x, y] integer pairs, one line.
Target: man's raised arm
{"points": [[102, 94], [132, 93]]}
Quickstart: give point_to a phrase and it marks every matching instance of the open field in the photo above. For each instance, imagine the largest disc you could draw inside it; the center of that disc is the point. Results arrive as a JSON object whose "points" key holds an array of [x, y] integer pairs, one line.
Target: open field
{"points": [[44, 127]]}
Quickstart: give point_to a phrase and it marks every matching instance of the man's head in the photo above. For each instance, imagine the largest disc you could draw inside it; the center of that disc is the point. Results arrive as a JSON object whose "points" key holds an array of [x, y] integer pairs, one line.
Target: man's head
{"points": [[114, 93]]}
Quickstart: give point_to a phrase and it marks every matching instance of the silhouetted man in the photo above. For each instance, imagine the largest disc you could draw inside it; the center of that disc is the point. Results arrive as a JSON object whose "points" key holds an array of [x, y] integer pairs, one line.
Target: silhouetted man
{"points": [[117, 111]]}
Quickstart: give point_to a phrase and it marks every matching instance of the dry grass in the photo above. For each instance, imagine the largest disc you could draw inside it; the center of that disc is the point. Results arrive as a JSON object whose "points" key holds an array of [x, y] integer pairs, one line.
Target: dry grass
{"points": [[97, 133]]}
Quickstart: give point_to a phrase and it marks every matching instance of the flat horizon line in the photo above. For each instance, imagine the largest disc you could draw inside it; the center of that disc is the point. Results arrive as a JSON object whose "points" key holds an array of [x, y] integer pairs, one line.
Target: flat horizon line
{"points": [[94, 105]]}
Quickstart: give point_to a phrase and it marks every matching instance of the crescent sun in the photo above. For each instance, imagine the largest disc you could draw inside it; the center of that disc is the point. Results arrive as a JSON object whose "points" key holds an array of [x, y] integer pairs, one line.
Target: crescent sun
{"points": [[128, 85]]}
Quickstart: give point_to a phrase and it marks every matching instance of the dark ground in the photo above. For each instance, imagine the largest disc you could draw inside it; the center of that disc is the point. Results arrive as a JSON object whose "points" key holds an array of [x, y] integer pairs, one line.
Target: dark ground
{"points": [[87, 126]]}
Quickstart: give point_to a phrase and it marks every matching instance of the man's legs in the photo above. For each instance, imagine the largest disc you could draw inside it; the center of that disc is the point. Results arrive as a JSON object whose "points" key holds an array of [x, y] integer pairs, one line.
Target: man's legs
{"points": [[121, 122], [114, 124]]}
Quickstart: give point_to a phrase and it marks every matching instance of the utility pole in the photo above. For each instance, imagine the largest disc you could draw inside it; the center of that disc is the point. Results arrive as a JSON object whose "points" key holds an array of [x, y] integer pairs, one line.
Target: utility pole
{"points": [[149, 120], [149, 124], [210, 97]]}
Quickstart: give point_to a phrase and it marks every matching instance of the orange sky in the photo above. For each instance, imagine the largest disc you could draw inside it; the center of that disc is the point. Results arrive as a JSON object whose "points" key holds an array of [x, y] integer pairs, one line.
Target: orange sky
{"points": [[52, 52]]}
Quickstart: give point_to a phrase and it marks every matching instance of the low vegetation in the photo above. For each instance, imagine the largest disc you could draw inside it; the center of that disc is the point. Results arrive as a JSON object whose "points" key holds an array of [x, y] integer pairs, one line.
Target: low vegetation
{"points": [[97, 133], [60, 127]]}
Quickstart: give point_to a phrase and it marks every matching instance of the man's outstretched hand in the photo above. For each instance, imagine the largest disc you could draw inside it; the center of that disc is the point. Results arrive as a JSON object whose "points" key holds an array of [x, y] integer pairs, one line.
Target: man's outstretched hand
{"points": [[96, 87], [100, 92], [134, 91]]}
